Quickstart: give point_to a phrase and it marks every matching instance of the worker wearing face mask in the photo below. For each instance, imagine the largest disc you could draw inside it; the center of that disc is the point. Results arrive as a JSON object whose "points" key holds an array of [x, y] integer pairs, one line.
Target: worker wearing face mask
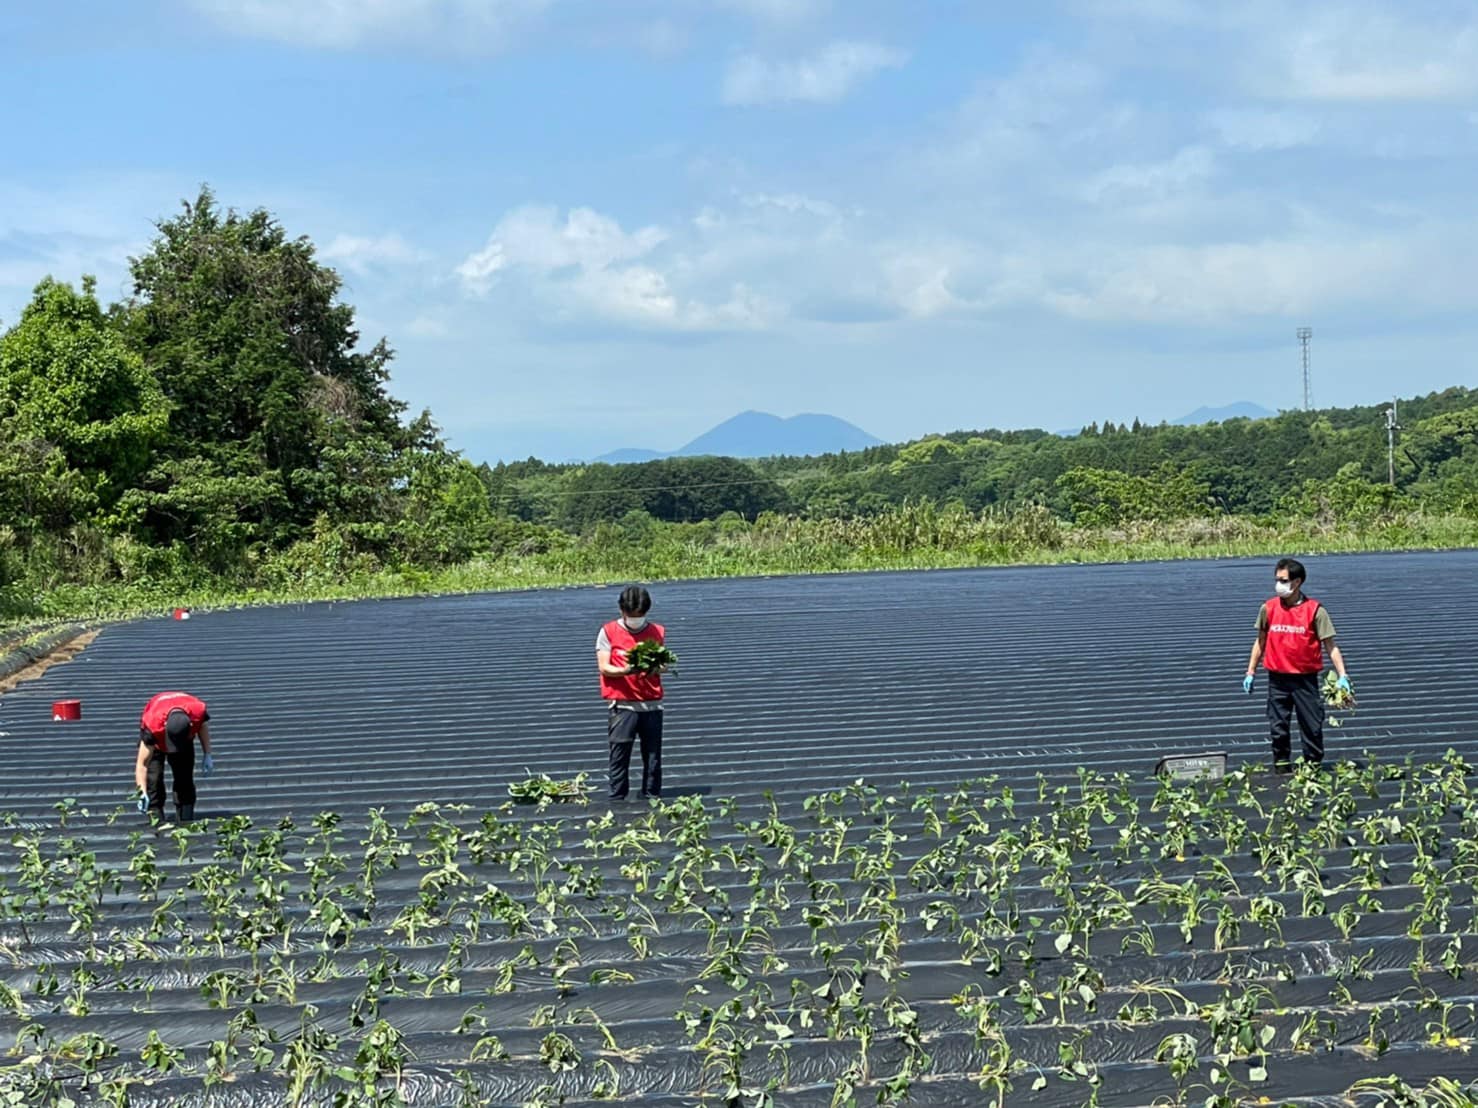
{"points": [[635, 699], [1293, 632]]}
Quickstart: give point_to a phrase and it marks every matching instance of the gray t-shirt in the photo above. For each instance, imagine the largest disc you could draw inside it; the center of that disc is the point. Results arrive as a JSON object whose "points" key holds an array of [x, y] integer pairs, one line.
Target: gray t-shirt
{"points": [[602, 644]]}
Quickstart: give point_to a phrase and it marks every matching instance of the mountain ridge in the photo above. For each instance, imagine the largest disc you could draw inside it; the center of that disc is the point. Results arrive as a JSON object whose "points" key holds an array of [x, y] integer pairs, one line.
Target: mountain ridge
{"points": [[755, 434], [1239, 409]]}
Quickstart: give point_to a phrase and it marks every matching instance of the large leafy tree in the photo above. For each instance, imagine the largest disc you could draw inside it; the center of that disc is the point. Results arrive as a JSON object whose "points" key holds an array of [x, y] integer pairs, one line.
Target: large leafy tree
{"points": [[260, 360], [79, 412], [671, 489]]}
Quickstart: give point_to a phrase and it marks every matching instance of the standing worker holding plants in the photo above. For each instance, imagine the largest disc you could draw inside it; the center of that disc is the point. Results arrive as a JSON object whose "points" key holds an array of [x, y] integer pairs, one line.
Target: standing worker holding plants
{"points": [[1293, 632], [631, 655], [167, 730]]}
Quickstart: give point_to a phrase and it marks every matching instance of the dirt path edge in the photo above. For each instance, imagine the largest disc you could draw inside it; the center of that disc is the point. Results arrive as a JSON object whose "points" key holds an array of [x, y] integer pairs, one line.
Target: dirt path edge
{"points": [[28, 659]]}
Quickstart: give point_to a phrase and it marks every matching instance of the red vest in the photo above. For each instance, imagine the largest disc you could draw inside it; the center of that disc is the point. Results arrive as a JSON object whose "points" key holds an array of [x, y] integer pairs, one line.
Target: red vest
{"points": [[159, 707], [631, 686], [1292, 645]]}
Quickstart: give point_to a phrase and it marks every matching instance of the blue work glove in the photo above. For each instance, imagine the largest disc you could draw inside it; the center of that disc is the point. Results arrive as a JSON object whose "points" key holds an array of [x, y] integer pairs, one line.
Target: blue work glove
{"points": [[1247, 684], [208, 766], [143, 803], [1343, 684]]}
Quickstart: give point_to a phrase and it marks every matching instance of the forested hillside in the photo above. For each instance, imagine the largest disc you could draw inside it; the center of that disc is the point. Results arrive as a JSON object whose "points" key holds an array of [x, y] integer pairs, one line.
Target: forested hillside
{"points": [[225, 429], [1330, 461]]}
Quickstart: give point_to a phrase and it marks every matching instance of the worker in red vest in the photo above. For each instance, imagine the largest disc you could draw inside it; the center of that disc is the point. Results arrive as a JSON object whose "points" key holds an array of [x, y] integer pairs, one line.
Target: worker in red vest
{"points": [[1293, 632], [635, 699], [168, 727]]}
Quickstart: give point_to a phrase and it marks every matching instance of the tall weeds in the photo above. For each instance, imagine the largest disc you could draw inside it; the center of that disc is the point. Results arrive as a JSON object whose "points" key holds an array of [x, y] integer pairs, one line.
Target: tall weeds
{"points": [[93, 579]]}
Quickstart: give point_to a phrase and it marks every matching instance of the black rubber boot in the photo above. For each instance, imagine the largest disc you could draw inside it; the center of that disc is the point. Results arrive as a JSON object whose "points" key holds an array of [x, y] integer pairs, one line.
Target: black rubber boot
{"points": [[185, 813]]}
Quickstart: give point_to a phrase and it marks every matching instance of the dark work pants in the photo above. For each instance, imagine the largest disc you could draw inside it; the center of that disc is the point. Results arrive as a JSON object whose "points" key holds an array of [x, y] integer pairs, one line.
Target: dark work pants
{"points": [[181, 768], [625, 727], [1295, 694]]}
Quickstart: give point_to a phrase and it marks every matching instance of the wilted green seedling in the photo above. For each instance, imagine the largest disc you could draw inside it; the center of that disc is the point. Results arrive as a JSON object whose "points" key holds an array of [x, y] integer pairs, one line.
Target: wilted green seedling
{"points": [[541, 789]]}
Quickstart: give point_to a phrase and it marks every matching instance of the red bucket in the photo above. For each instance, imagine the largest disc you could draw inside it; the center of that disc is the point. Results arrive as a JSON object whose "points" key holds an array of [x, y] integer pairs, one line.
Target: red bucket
{"points": [[182, 613], [66, 709]]}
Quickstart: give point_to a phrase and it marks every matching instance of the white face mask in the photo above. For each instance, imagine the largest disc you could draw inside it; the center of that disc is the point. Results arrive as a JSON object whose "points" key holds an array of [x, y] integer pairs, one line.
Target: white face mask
{"points": [[634, 623], [1283, 588]]}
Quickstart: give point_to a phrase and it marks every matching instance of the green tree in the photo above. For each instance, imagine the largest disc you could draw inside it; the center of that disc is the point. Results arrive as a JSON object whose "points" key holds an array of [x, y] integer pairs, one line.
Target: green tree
{"points": [[446, 517], [1099, 496], [1346, 497], [260, 360], [79, 413], [674, 490]]}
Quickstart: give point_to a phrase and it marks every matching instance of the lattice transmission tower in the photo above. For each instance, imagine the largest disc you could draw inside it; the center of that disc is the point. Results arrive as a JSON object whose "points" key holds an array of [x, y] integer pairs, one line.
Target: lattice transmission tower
{"points": [[1306, 336]]}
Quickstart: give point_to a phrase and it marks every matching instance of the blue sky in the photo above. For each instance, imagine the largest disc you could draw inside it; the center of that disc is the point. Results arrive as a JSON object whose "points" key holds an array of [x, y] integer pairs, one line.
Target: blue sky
{"points": [[587, 224]]}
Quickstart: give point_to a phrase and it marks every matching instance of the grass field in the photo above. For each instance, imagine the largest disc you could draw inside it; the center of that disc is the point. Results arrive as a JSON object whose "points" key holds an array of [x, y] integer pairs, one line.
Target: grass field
{"points": [[914, 537]]}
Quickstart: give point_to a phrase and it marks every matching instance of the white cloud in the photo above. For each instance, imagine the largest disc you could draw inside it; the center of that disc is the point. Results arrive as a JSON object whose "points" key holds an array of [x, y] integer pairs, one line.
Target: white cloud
{"points": [[360, 254], [824, 77], [427, 326], [1062, 185], [641, 295], [777, 11], [345, 24], [534, 238], [1155, 179], [1324, 50], [793, 203], [1211, 284], [587, 265], [920, 285], [1360, 53], [1046, 107], [663, 38], [1257, 129]]}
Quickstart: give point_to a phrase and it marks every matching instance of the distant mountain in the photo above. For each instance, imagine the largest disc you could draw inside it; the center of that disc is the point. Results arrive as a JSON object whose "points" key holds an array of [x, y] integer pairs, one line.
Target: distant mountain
{"points": [[1242, 409], [629, 454], [762, 435]]}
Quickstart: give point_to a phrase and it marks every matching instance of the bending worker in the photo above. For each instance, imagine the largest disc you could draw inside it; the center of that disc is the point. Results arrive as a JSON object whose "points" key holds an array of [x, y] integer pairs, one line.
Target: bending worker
{"points": [[635, 699], [167, 731], [1293, 632]]}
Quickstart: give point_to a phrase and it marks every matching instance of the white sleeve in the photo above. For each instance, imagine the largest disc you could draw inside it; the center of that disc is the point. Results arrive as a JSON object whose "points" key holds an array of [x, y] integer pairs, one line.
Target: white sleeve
{"points": [[602, 641]]}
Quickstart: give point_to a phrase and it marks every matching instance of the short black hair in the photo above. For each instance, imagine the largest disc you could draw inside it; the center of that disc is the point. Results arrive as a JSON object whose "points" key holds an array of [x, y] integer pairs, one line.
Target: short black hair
{"points": [[177, 725], [635, 601], [1294, 567]]}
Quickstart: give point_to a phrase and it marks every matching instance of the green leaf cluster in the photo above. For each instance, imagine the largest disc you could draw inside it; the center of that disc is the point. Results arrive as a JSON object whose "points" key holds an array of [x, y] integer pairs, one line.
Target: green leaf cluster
{"points": [[651, 656]]}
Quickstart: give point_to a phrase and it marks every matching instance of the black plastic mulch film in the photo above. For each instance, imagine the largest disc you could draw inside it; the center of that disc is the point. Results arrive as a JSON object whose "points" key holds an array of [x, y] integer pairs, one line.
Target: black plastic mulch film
{"points": [[911, 852]]}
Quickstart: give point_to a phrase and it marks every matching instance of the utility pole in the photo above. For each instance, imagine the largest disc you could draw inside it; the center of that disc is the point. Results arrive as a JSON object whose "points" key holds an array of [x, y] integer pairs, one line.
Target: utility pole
{"points": [[1391, 428], [1305, 336]]}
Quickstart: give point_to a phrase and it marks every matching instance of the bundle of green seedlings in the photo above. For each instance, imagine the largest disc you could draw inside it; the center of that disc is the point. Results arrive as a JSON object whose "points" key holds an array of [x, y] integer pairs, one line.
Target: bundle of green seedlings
{"points": [[541, 788], [651, 656], [1335, 698]]}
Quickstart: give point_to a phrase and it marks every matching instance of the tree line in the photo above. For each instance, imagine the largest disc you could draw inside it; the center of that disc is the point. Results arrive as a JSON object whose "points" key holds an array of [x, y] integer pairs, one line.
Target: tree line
{"points": [[1327, 463]]}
